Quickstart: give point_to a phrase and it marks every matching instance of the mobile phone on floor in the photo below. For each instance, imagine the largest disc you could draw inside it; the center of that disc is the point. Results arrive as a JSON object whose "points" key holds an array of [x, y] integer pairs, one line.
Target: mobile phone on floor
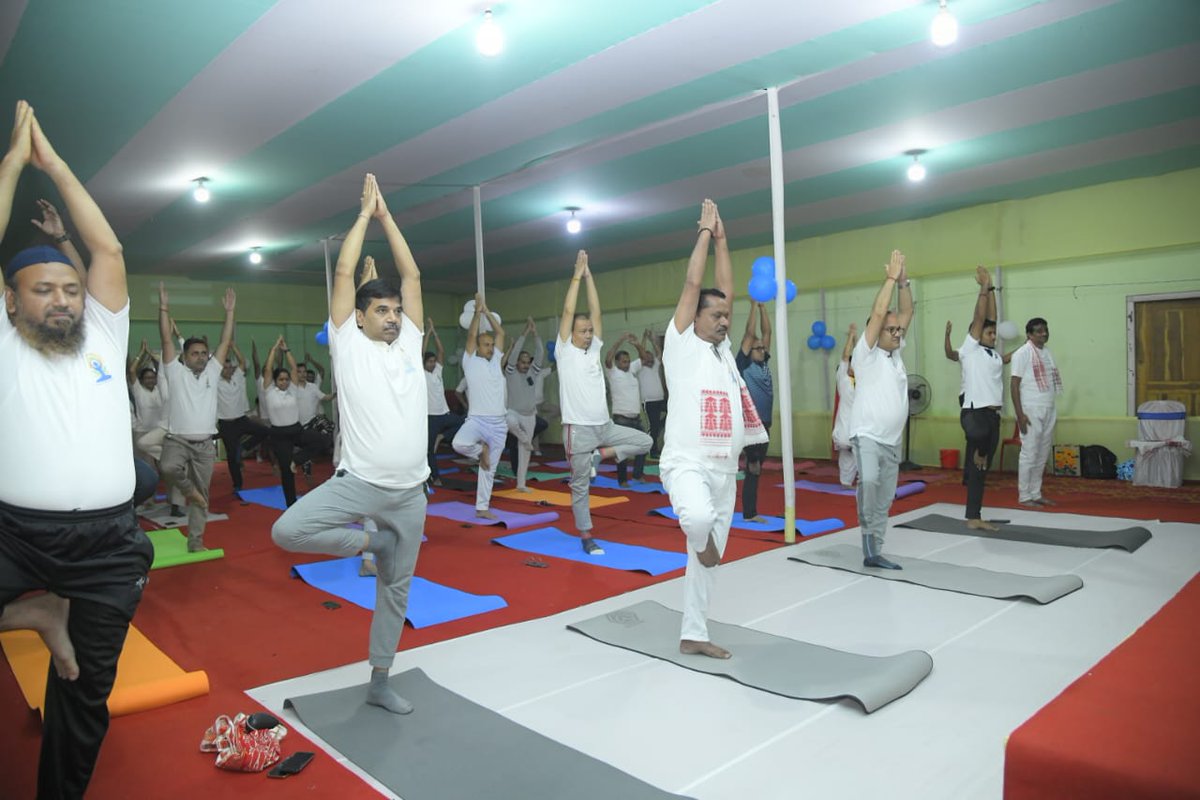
{"points": [[290, 765]]}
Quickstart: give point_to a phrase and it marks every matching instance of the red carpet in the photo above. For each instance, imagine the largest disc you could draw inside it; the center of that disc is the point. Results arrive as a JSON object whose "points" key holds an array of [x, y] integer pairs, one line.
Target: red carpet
{"points": [[245, 622], [1128, 728]]}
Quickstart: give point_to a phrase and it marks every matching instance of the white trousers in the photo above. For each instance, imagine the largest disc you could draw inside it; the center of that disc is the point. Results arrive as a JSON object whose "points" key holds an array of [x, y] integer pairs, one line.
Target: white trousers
{"points": [[1036, 444], [847, 466], [703, 499], [521, 426], [469, 441]]}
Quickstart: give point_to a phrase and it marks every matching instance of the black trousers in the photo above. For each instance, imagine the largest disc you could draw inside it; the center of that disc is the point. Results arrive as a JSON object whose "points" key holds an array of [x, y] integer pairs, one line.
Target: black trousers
{"points": [[99, 561], [511, 444], [656, 418], [982, 429], [756, 454], [232, 433], [287, 443], [639, 462], [447, 425]]}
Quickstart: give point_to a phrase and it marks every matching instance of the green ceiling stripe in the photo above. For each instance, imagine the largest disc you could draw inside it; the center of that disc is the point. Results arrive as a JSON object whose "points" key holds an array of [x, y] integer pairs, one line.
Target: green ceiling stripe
{"points": [[433, 86]]}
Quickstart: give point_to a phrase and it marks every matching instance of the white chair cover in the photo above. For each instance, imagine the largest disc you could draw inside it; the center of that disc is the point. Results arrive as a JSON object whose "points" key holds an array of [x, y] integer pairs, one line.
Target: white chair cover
{"points": [[1161, 448]]}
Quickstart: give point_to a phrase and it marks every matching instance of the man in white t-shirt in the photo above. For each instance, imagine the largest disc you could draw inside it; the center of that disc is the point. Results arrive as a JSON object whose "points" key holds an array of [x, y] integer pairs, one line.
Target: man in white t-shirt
{"points": [[375, 342], [234, 425], [67, 524], [482, 435], [847, 468], [442, 422], [654, 396], [1035, 383], [880, 409], [522, 373], [983, 397], [588, 433], [626, 391], [188, 449], [710, 420]]}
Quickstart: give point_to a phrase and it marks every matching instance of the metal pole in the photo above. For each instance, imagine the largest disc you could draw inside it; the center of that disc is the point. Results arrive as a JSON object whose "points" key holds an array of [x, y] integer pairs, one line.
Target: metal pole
{"points": [[782, 356], [825, 374], [478, 243]]}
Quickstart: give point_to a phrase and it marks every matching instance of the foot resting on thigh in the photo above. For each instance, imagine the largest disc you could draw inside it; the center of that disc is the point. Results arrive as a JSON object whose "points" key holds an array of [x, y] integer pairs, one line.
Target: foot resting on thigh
{"points": [[485, 458], [709, 556], [195, 498], [380, 694], [367, 568], [980, 462], [47, 614], [691, 647], [880, 563], [982, 525], [485, 513]]}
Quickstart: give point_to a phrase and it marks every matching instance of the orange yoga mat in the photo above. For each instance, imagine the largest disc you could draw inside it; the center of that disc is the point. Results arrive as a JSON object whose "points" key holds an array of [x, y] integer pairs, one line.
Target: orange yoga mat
{"points": [[146, 677], [557, 498]]}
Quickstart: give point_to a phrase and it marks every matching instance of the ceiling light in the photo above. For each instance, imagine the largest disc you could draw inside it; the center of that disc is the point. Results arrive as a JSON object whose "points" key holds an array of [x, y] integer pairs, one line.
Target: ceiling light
{"points": [[201, 194], [916, 170], [573, 224], [944, 30], [255, 256], [489, 39]]}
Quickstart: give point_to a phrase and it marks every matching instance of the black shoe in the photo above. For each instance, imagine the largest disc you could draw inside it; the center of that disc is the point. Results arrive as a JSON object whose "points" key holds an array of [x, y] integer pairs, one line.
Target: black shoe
{"points": [[176, 511]]}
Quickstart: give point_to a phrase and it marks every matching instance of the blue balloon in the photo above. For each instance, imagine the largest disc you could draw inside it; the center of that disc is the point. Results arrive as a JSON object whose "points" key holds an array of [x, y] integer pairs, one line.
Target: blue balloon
{"points": [[550, 351], [818, 328], [790, 289], [828, 342], [761, 288], [322, 336], [764, 265], [814, 342]]}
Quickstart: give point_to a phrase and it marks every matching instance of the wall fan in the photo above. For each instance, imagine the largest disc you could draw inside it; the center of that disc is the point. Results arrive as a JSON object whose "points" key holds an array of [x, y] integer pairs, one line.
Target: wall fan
{"points": [[919, 398]]}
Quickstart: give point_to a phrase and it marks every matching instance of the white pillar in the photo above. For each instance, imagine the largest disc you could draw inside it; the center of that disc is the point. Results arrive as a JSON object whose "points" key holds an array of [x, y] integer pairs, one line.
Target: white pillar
{"points": [[478, 242]]}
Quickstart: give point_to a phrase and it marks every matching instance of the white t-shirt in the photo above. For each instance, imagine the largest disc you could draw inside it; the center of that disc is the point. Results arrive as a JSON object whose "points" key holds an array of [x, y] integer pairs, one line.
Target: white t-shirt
{"points": [[192, 401], [982, 375], [64, 420], [881, 394], [650, 381], [383, 405], [1022, 367], [308, 399], [150, 406], [281, 408], [845, 389], [704, 413], [485, 384], [436, 390], [231, 396], [626, 393], [581, 383]]}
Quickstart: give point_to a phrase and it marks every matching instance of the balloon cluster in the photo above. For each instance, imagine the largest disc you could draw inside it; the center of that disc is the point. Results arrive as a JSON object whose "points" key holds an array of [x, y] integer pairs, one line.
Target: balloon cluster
{"points": [[762, 281], [468, 313], [820, 340], [322, 336]]}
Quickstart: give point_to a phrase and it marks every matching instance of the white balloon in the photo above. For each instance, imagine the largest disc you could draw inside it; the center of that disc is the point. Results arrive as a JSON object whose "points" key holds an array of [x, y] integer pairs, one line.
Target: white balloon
{"points": [[1007, 330], [464, 319]]}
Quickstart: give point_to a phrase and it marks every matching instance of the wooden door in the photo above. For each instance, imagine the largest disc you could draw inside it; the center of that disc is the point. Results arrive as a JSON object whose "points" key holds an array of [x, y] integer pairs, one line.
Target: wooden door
{"points": [[1167, 347]]}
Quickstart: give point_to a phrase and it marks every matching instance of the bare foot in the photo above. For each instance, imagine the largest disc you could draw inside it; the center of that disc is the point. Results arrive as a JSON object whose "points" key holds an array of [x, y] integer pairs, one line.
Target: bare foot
{"points": [[691, 647], [1044, 502], [49, 612], [755, 518], [1029, 503], [709, 556], [195, 498], [484, 513], [981, 525], [485, 458], [524, 490]]}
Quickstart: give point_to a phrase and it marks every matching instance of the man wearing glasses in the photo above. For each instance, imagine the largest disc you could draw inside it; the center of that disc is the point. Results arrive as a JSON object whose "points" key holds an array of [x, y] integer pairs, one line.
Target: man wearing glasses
{"points": [[880, 409]]}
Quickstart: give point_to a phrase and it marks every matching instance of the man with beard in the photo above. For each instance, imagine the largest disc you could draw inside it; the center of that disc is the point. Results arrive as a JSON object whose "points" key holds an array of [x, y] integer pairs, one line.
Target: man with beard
{"points": [[66, 518]]}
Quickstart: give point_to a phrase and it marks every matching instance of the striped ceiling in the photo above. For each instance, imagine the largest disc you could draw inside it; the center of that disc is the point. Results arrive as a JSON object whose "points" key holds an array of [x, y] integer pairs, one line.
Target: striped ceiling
{"points": [[632, 110]]}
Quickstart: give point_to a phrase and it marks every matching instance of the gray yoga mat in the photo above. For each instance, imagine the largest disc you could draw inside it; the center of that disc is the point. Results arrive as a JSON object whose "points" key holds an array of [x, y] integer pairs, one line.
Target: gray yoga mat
{"points": [[763, 661], [1127, 538], [949, 577], [449, 747]]}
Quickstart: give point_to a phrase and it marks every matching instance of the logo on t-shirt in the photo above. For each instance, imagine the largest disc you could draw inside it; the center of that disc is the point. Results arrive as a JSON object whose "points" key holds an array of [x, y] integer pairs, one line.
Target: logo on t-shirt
{"points": [[96, 365], [716, 417]]}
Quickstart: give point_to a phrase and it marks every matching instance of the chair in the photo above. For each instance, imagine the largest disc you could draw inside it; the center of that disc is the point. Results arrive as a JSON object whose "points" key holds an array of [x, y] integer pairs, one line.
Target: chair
{"points": [[1014, 441], [1161, 446]]}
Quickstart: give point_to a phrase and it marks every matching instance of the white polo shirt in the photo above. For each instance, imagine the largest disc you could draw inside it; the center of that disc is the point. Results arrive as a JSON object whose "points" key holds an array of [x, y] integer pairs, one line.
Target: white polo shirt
{"points": [[581, 383], [650, 381], [704, 413], [231, 396], [880, 395], [1022, 367], [383, 405], [436, 390], [281, 408], [625, 389], [192, 401], [982, 375], [150, 406], [308, 397], [64, 420], [485, 384], [845, 388]]}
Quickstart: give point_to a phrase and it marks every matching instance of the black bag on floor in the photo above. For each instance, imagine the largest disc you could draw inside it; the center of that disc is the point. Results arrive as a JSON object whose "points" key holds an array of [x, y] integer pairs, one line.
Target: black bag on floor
{"points": [[1097, 461]]}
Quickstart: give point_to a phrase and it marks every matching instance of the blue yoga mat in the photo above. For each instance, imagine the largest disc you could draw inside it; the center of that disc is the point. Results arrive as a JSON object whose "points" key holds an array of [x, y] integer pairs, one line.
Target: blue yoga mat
{"points": [[805, 527], [605, 482], [428, 603], [631, 557], [269, 496]]}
